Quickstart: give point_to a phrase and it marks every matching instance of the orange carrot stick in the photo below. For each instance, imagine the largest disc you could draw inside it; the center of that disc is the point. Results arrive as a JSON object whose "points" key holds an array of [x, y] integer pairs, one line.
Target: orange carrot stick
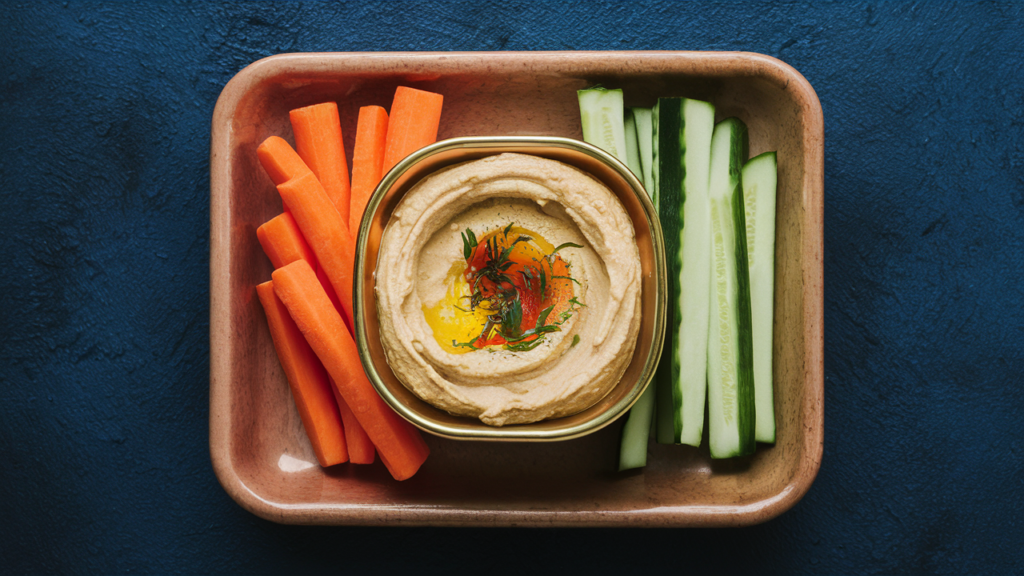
{"points": [[283, 242], [279, 160], [308, 381], [318, 141], [325, 231], [367, 160], [360, 448], [321, 275], [400, 445], [415, 115]]}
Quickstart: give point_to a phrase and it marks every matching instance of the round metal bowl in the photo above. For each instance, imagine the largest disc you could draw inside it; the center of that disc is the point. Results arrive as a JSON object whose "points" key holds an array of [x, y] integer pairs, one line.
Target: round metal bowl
{"points": [[585, 157]]}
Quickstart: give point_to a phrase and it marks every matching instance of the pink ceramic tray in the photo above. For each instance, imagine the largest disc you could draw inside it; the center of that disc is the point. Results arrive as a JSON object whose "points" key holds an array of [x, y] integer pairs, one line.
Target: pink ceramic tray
{"points": [[257, 444]]}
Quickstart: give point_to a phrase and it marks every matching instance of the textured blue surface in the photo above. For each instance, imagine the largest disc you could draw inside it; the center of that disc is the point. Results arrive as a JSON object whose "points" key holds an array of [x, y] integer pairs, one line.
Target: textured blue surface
{"points": [[104, 137]]}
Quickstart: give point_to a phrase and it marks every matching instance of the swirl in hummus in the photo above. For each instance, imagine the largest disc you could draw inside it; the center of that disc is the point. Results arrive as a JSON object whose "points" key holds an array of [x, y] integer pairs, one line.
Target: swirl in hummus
{"points": [[508, 289]]}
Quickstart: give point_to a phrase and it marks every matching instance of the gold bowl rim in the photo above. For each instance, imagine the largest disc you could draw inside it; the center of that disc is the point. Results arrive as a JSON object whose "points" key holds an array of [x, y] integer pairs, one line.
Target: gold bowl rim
{"points": [[474, 429]]}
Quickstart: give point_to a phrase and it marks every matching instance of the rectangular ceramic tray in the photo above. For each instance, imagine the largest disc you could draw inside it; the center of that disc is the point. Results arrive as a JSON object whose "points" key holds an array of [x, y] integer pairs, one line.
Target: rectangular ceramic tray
{"points": [[257, 445]]}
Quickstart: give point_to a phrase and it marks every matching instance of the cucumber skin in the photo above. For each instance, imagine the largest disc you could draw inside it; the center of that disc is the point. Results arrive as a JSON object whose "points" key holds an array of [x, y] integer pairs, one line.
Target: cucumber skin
{"points": [[664, 425], [745, 375], [655, 180], [667, 153], [744, 332]]}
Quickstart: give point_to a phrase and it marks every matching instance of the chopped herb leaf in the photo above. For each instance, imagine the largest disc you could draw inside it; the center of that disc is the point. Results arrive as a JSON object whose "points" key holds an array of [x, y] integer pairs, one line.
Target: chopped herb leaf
{"points": [[544, 315], [566, 245]]}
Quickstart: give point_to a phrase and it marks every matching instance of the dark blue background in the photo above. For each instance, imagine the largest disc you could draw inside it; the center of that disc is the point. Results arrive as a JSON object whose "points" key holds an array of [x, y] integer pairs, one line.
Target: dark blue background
{"points": [[104, 140]]}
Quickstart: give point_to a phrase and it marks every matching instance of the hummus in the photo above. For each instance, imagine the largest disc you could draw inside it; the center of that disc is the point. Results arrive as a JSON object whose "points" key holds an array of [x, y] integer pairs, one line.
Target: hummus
{"points": [[432, 302]]}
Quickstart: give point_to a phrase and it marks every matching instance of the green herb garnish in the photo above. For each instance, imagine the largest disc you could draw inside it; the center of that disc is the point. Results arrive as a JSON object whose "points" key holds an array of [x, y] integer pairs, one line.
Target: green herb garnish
{"points": [[559, 247], [499, 295], [469, 243]]}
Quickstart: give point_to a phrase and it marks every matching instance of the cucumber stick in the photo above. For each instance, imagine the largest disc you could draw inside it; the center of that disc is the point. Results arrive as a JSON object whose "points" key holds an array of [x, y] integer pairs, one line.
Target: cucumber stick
{"points": [[644, 407], [636, 432], [608, 127], [602, 115], [760, 178], [731, 416], [682, 156], [645, 137], [632, 146]]}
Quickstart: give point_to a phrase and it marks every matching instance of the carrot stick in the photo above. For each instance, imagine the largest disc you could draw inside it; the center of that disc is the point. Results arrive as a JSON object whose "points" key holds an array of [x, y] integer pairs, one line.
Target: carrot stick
{"points": [[400, 445], [325, 231], [415, 115], [360, 448], [283, 164], [308, 381], [367, 160], [321, 275], [279, 160], [283, 242], [318, 141]]}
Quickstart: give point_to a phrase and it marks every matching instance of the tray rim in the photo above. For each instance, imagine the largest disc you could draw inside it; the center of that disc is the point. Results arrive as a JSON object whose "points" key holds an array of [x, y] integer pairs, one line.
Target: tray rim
{"points": [[710, 64]]}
